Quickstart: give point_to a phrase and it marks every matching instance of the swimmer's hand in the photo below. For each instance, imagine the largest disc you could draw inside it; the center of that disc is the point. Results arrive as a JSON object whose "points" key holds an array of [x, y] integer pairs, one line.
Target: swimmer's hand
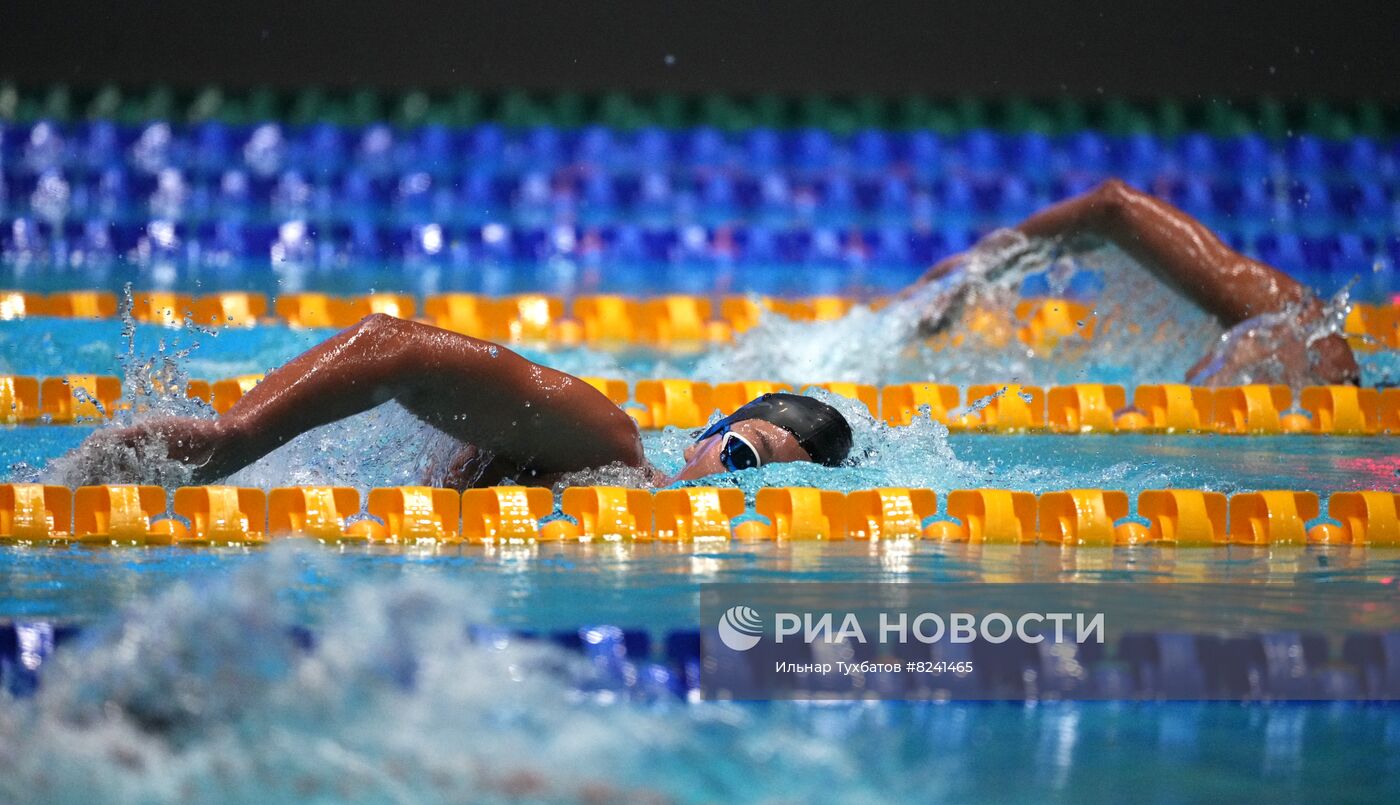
{"points": [[1277, 348], [1002, 256], [142, 453], [935, 310]]}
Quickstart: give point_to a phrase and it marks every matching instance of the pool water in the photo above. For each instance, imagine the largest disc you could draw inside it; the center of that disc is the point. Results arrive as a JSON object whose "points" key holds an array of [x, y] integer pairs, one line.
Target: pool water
{"points": [[204, 698], [187, 682], [192, 686]]}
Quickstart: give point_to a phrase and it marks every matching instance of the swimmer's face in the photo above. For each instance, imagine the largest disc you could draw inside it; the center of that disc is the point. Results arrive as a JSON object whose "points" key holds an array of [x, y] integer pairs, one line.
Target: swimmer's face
{"points": [[768, 443]]}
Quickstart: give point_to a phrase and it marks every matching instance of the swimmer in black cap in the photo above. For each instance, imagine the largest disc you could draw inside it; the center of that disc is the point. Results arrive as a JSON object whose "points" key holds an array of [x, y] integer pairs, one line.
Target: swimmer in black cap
{"points": [[517, 421]]}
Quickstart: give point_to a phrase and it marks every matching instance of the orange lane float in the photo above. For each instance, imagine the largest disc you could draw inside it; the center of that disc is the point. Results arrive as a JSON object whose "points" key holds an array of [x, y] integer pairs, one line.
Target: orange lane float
{"points": [[1366, 518], [314, 512], [161, 307], [224, 393], [414, 514], [884, 514], [800, 513], [609, 513], [678, 403], [35, 513], [305, 310], [1009, 407], [1049, 321], [229, 309], [346, 312], [1184, 517], [608, 322], [82, 305], [614, 390], [468, 314], [79, 397], [741, 313], [994, 515], [1082, 517], [21, 304], [19, 399], [1372, 327], [679, 323], [506, 515], [1175, 407], [222, 515], [697, 513], [1342, 410], [1272, 517], [817, 308], [527, 318], [129, 515], [1254, 409], [900, 404], [122, 514], [1085, 407]]}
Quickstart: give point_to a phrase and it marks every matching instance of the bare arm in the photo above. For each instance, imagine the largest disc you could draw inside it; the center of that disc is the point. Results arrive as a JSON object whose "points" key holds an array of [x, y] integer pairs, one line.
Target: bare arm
{"points": [[1175, 247], [1183, 253], [478, 392]]}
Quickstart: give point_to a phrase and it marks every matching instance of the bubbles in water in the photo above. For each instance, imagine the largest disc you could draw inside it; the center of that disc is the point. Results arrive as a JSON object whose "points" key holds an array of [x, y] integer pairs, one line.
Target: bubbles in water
{"points": [[1144, 331], [215, 693]]}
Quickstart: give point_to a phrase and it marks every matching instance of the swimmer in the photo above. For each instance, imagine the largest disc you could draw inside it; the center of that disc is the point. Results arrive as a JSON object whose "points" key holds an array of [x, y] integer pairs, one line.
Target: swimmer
{"points": [[526, 423], [1269, 317], [516, 420]]}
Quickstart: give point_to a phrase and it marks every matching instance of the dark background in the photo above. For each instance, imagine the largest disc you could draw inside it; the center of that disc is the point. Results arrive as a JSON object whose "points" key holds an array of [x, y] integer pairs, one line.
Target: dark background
{"points": [[994, 47]]}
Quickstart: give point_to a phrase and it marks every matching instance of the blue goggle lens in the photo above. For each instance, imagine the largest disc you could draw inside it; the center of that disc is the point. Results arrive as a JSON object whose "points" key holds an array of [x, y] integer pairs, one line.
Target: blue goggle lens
{"points": [[737, 454]]}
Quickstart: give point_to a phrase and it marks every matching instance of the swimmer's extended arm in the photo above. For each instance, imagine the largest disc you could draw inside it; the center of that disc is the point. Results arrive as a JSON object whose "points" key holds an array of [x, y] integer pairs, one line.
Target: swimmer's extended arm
{"points": [[478, 392], [1183, 253], [1177, 248]]}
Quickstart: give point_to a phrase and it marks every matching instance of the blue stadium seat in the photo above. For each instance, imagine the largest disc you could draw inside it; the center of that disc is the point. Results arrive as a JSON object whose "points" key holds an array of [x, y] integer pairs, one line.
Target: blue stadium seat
{"points": [[1283, 250], [1198, 153], [544, 148], [655, 150], [486, 146], [980, 150], [1306, 155], [873, 151], [814, 148], [596, 147], [1032, 156], [1088, 151], [763, 149], [704, 147], [1248, 155], [925, 155]]}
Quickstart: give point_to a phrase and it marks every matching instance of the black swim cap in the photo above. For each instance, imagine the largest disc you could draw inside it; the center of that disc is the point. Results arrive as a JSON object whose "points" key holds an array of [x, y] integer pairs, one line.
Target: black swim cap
{"points": [[818, 428]]}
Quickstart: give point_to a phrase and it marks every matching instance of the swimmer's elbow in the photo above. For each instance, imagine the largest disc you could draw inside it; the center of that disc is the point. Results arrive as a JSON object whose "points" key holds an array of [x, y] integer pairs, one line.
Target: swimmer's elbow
{"points": [[625, 440], [1112, 198]]}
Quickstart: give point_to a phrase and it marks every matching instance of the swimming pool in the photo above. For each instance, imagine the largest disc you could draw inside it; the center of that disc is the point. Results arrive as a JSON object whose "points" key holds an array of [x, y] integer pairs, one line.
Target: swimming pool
{"points": [[335, 673], [214, 621]]}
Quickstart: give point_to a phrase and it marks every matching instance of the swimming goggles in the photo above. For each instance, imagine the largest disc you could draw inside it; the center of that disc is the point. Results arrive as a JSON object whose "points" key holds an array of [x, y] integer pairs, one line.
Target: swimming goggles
{"points": [[737, 453]]}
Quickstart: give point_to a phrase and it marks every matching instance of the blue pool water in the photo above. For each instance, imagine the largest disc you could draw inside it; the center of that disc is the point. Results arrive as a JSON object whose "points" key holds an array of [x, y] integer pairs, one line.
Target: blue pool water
{"points": [[184, 683], [192, 685]]}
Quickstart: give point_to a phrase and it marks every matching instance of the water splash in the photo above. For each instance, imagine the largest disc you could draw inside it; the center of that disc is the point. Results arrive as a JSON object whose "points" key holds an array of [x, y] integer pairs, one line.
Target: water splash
{"points": [[385, 446], [207, 693], [153, 388], [921, 455], [1146, 332], [1278, 346]]}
